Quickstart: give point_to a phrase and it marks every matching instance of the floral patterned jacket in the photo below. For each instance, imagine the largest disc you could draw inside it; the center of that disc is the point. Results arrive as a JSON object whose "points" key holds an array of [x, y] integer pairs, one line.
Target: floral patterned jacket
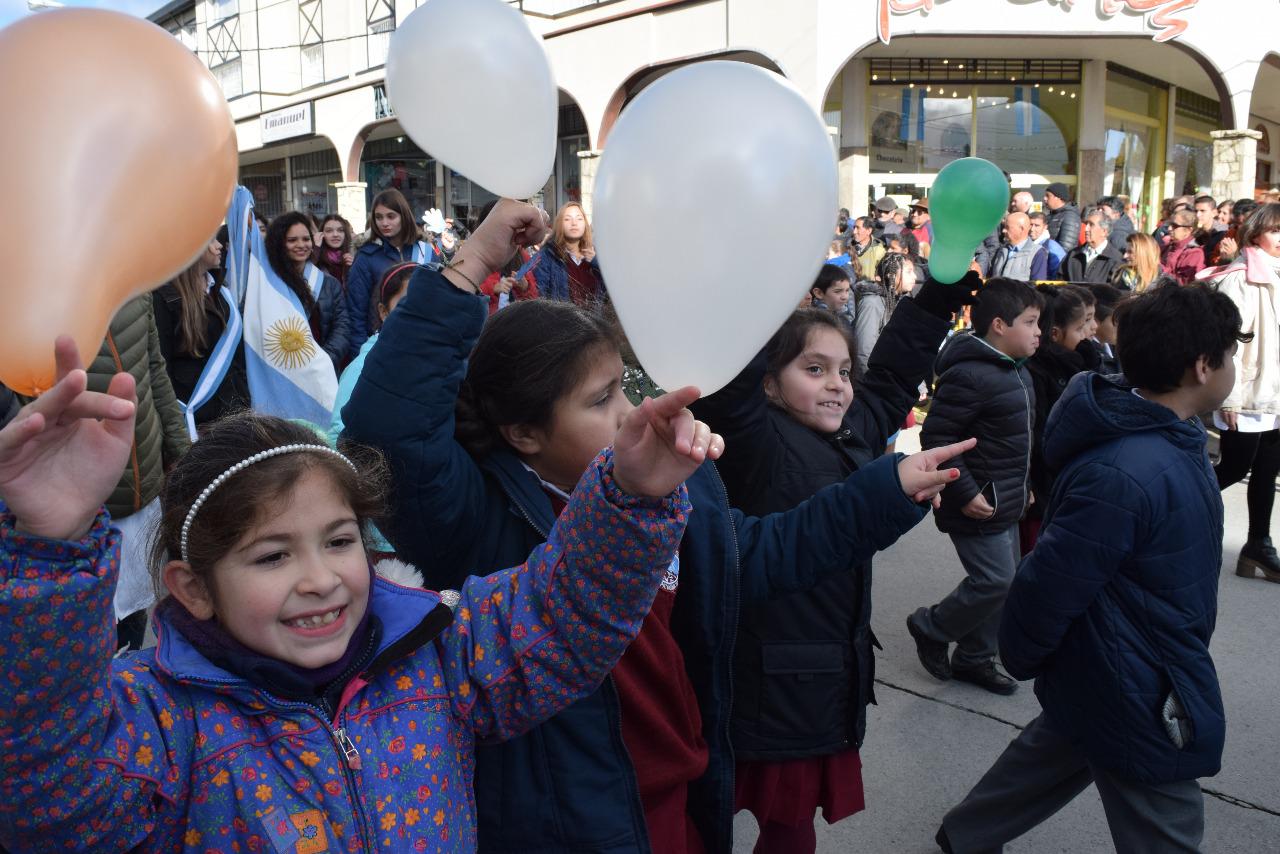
{"points": [[163, 751]]}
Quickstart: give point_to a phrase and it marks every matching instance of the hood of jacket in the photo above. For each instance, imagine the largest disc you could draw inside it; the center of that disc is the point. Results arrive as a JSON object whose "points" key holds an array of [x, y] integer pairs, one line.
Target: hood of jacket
{"points": [[967, 347], [1095, 410]]}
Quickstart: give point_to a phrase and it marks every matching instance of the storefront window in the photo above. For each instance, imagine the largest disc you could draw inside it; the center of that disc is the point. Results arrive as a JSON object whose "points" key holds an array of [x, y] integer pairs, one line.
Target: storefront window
{"points": [[466, 198], [313, 177], [914, 130], [397, 163], [1191, 162], [1029, 128], [266, 182], [1135, 155], [570, 171], [1023, 115], [1128, 156]]}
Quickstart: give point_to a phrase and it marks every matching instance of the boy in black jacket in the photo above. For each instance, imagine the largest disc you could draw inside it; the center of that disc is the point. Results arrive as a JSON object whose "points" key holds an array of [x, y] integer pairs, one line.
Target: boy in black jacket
{"points": [[983, 390]]}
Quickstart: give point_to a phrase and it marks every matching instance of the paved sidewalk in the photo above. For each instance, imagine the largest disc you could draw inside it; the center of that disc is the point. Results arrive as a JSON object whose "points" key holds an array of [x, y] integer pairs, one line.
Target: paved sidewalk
{"points": [[928, 741]]}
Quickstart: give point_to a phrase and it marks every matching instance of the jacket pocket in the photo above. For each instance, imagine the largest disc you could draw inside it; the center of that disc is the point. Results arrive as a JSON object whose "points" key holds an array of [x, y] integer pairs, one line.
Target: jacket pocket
{"points": [[1176, 721], [805, 690]]}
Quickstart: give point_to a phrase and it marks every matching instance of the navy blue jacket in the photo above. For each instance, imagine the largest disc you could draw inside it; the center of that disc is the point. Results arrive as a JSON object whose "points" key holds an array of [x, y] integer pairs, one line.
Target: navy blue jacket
{"points": [[552, 277], [373, 259], [1114, 608], [568, 786]]}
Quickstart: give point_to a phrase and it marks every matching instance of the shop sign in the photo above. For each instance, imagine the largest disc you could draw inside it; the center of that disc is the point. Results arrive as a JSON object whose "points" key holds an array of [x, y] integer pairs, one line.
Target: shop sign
{"points": [[382, 108], [1161, 15], [287, 123]]}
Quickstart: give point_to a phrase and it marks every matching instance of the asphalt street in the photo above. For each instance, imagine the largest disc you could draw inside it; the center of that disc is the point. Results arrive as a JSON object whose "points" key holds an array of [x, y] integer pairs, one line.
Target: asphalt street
{"points": [[928, 742]]}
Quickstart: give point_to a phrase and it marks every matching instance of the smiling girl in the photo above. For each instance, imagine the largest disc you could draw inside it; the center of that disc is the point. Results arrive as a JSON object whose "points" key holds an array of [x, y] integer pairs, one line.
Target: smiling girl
{"points": [[289, 250], [294, 701], [793, 426]]}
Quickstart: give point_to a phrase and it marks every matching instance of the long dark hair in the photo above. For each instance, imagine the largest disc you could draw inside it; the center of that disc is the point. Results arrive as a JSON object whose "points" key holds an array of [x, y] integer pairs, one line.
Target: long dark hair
{"points": [[1063, 306], [346, 231], [278, 255], [530, 354]]}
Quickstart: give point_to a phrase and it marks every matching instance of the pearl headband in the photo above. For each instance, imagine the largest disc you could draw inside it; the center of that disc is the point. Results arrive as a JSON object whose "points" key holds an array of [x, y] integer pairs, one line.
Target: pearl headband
{"points": [[241, 466]]}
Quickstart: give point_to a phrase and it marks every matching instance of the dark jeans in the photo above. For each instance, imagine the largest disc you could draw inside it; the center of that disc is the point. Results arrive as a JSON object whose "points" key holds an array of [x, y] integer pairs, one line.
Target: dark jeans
{"points": [[1040, 772], [1256, 455]]}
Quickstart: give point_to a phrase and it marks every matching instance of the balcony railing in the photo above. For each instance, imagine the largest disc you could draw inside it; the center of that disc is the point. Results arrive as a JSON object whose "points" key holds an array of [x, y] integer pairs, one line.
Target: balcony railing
{"points": [[555, 8]]}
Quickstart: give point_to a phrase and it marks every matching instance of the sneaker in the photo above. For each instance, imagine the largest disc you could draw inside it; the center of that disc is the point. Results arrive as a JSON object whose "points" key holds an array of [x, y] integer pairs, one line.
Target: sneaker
{"points": [[986, 676], [932, 653]]}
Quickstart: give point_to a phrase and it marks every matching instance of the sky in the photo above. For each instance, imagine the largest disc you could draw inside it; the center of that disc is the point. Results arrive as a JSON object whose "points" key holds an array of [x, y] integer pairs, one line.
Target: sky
{"points": [[12, 10]]}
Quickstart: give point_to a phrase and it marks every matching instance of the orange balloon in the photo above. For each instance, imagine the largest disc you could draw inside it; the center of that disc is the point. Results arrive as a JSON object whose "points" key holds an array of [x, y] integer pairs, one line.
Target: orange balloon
{"points": [[118, 163]]}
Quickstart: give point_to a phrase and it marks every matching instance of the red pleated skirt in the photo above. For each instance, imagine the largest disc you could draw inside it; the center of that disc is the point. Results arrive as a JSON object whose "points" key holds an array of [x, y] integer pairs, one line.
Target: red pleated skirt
{"points": [[788, 792]]}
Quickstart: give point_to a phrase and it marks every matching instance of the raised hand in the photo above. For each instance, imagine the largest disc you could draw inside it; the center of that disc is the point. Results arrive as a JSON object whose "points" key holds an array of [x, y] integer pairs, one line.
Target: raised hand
{"points": [[62, 455], [508, 227], [660, 445], [921, 478]]}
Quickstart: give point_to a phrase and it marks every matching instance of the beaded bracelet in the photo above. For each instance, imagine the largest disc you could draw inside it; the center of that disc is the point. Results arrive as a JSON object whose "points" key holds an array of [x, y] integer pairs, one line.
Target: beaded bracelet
{"points": [[453, 265]]}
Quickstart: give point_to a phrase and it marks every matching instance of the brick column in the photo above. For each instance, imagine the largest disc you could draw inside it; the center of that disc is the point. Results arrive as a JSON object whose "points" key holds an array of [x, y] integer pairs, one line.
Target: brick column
{"points": [[351, 203]]}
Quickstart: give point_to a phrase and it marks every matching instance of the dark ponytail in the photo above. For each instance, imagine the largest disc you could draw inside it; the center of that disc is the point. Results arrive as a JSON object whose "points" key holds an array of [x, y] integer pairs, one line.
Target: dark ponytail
{"points": [[529, 356]]}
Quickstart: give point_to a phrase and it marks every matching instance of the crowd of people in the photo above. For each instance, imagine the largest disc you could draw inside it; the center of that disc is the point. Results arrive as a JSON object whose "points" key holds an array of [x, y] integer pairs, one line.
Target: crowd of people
{"points": [[654, 613]]}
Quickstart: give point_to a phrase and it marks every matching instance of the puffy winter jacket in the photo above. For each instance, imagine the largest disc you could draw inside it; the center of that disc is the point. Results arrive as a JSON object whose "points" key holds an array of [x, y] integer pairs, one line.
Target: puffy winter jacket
{"points": [[184, 369], [1112, 624], [1064, 225], [164, 751], [132, 345], [803, 667], [552, 277], [984, 393], [373, 259], [335, 321], [569, 786], [1051, 368]]}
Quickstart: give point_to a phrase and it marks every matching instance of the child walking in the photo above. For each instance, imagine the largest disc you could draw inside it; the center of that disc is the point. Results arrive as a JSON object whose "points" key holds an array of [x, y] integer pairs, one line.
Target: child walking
{"points": [[1114, 631], [803, 664], [983, 390], [294, 701], [485, 439], [1066, 326]]}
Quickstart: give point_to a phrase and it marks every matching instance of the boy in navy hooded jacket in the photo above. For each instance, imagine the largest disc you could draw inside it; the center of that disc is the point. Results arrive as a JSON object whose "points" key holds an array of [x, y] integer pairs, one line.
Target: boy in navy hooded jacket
{"points": [[1112, 612]]}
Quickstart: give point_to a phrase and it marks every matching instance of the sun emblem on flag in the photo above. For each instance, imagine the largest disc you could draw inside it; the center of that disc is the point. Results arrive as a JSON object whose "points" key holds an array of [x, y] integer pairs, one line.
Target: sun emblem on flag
{"points": [[288, 343]]}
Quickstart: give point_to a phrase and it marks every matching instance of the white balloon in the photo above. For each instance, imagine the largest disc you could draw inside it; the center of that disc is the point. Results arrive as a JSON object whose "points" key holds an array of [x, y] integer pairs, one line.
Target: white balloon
{"points": [[713, 210], [472, 86]]}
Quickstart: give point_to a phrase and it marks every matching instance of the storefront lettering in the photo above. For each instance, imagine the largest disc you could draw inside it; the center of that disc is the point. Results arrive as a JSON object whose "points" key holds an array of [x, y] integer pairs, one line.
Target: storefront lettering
{"points": [[1161, 14]]}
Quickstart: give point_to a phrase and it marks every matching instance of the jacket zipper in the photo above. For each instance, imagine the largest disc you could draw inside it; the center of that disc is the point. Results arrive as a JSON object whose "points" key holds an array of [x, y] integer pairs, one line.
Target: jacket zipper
{"points": [[731, 635], [642, 832], [338, 735], [1031, 437]]}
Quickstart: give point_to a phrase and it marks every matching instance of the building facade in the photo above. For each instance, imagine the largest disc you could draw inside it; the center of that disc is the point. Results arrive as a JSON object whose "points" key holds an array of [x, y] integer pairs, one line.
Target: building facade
{"points": [[1143, 98]]}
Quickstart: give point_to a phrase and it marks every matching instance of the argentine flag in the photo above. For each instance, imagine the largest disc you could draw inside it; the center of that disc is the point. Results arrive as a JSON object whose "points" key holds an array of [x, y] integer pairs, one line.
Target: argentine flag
{"points": [[289, 375]]}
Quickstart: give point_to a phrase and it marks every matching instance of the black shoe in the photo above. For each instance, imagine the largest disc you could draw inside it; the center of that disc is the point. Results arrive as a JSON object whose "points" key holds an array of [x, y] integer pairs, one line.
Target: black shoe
{"points": [[1259, 555], [943, 842], [932, 653], [986, 676]]}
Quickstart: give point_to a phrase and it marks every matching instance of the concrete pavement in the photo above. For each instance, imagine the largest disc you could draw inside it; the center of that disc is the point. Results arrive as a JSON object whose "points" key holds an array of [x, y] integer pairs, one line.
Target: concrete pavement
{"points": [[928, 742]]}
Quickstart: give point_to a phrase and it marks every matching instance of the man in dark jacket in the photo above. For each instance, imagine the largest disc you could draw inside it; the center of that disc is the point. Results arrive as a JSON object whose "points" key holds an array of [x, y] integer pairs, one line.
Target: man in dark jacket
{"points": [[1094, 260], [1121, 226], [1113, 610], [984, 391], [1064, 216]]}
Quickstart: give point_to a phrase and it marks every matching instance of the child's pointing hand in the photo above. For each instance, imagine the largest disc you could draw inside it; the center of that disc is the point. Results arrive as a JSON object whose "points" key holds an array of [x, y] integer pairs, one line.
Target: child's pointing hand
{"points": [[660, 444]]}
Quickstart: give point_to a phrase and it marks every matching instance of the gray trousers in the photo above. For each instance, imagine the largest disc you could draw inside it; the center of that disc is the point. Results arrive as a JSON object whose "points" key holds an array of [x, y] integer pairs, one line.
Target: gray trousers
{"points": [[970, 615], [1040, 772]]}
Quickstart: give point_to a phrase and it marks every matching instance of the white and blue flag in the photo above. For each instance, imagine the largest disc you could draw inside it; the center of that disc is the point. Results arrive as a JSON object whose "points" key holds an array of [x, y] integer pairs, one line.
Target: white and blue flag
{"points": [[290, 376]]}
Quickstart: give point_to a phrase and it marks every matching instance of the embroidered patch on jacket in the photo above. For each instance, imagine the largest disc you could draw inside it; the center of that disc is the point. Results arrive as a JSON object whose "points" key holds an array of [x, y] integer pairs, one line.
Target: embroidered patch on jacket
{"points": [[300, 833]]}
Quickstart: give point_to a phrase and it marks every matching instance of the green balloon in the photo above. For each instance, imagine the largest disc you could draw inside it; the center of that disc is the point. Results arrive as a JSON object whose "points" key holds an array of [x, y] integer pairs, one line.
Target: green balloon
{"points": [[966, 201]]}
